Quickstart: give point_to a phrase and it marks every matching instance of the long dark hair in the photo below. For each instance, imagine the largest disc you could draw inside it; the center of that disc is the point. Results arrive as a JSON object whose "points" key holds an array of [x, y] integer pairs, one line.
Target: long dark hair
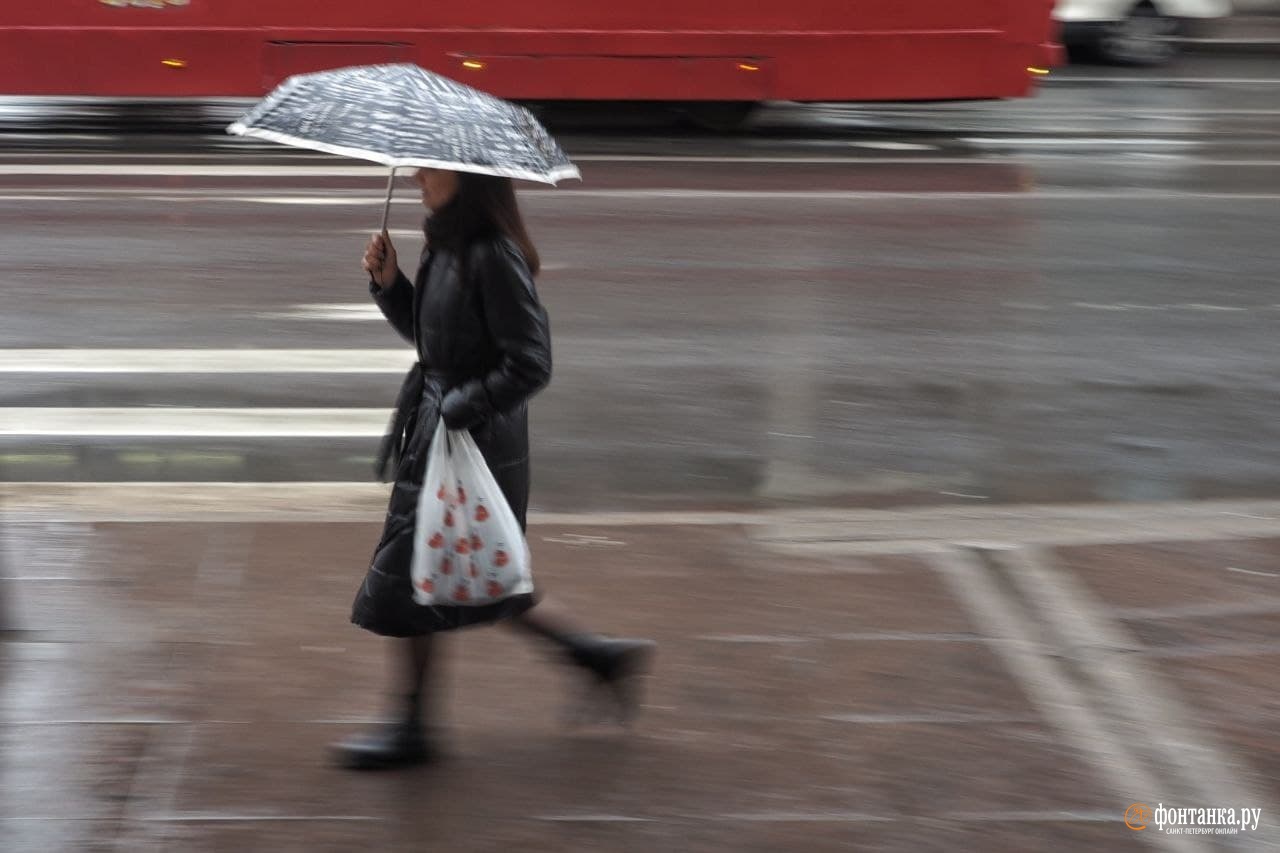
{"points": [[483, 207]]}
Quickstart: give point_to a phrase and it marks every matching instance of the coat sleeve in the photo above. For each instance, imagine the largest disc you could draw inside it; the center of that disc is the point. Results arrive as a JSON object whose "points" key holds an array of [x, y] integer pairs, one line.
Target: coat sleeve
{"points": [[517, 324], [396, 303]]}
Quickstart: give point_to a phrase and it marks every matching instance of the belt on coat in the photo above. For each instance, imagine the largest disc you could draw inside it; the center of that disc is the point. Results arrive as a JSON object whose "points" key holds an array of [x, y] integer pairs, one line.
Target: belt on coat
{"points": [[417, 383]]}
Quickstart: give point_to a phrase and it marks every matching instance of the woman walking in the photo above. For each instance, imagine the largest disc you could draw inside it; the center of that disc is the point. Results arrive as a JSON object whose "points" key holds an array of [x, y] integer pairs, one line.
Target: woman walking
{"points": [[484, 349]]}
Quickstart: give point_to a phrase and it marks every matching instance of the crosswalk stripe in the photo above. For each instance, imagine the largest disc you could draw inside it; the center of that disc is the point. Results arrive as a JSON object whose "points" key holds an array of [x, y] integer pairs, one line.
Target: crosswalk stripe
{"points": [[392, 361], [193, 422]]}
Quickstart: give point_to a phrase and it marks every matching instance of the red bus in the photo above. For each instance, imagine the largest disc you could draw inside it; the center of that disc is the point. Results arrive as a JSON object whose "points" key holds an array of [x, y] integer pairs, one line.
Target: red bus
{"points": [[658, 50]]}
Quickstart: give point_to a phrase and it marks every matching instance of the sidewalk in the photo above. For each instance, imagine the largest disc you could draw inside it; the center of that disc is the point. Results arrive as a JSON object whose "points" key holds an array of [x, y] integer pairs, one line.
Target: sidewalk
{"points": [[171, 685]]}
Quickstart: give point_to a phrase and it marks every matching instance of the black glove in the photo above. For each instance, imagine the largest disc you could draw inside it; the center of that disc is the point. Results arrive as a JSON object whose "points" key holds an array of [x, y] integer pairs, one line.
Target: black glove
{"points": [[465, 406]]}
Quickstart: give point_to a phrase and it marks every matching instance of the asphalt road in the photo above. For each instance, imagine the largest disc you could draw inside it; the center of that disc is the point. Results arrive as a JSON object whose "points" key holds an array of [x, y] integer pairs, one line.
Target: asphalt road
{"points": [[1064, 298]]}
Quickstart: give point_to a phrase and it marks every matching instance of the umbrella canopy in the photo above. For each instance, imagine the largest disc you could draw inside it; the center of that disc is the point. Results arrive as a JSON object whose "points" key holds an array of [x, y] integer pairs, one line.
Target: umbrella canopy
{"points": [[405, 116]]}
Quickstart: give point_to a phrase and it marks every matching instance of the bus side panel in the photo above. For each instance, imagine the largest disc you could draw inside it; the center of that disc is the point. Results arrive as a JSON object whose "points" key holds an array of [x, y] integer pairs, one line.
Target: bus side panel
{"points": [[804, 68], [562, 49], [130, 63], [562, 15]]}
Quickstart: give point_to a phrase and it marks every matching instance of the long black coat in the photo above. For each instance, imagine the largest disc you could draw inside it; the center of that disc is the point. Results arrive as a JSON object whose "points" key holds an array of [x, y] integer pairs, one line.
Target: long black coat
{"points": [[484, 348]]}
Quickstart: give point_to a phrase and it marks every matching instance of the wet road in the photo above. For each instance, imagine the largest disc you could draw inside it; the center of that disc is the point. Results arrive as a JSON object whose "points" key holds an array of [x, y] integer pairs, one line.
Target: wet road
{"points": [[1068, 298]]}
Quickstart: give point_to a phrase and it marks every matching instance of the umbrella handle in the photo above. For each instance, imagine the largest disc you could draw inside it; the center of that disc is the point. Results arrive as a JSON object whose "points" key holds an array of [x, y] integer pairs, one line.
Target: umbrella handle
{"points": [[386, 208]]}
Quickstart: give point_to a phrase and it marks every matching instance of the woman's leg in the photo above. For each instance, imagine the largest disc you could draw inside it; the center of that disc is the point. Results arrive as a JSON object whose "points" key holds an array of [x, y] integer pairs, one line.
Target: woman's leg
{"points": [[417, 659], [611, 663], [402, 741], [551, 623]]}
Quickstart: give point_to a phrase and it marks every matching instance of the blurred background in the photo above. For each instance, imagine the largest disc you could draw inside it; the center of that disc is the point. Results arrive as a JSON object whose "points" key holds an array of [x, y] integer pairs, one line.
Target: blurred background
{"points": [[915, 388]]}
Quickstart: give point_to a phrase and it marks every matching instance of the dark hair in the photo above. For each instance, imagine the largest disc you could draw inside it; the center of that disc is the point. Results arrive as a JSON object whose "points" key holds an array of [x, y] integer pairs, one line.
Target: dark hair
{"points": [[484, 207]]}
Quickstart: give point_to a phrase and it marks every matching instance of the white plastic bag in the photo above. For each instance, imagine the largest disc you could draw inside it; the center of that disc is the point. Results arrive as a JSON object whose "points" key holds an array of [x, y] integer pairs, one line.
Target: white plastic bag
{"points": [[468, 548]]}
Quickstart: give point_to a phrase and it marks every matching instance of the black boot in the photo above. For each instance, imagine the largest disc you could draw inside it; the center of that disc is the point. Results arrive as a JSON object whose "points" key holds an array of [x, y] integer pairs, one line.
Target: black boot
{"points": [[613, 665], [405, 742], [400, 744]]}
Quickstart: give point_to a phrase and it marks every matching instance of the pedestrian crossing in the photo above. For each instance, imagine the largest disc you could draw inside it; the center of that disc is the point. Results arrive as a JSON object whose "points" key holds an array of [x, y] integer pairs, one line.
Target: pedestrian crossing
{"points": [[200, 415], [95, 421], [187, 361]]}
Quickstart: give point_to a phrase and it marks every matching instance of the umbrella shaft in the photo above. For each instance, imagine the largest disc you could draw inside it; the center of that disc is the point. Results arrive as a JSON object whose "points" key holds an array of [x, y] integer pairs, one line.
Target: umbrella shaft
{"points": [[386, 208]]}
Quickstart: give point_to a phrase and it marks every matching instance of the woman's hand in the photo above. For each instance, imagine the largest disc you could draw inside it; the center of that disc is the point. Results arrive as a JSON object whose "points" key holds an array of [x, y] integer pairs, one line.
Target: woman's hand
{"points": [[380, 260]]}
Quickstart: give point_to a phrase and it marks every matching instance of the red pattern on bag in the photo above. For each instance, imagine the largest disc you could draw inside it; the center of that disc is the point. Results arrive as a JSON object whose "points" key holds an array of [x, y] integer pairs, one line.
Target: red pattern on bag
{"points": [[461, 593], [437, 540], [482, 514]]}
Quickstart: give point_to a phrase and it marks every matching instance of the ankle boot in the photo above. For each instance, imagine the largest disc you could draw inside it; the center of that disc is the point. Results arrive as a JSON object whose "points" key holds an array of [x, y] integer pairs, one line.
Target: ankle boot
{"points": [[613, 665], [399, 744]]}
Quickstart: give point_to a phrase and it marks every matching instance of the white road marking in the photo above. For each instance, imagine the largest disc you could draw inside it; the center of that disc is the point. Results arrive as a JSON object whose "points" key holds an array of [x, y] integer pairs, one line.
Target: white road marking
{"points": [[1252, 572], [210, 817], [202, 361], [1170, 196], [1018, 110], [97, 721], [1098, 306], [194, 423], [948, 718], [592, 818], [906, 637], [807, 817], [193, 170], [1141, 81], [894, 146], [1142, 709], [1081, 142], [50, 579], [1047, 683], [579, 540], [327, 313], [1201, 306], [1131, 306], [1066, 142], [754, 639], [396, 233]]}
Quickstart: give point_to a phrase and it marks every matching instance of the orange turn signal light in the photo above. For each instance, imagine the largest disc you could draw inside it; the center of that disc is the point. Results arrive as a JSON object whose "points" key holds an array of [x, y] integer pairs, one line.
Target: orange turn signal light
{"points": [[1038, 71], [174, 63], [473, 64], [747, 66]]}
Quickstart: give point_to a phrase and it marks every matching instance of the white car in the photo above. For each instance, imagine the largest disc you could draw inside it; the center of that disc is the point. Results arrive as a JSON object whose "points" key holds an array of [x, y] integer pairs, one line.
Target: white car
{"points": [[1133, 32]]}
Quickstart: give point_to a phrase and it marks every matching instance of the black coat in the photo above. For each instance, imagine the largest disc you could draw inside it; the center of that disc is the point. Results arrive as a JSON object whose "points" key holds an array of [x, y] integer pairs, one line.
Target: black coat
{"points": [[484, 348]]}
